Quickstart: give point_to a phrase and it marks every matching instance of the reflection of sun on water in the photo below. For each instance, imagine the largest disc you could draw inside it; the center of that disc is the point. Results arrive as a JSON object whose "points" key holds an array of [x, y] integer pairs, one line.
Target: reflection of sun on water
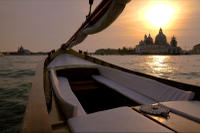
{"points": [[159, 65]]}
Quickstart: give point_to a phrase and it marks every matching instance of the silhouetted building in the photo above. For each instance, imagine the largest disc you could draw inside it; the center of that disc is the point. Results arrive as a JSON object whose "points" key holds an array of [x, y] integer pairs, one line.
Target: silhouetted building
{"points": [[196, 49], [23, 51], [161, 38], [173, 42], [161, 46]]}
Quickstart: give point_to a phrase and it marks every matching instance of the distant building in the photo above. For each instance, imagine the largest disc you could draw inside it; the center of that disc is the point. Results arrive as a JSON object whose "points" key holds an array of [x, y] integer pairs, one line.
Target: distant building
{"points": [[161, 46], [196, 49], [23, 51]]}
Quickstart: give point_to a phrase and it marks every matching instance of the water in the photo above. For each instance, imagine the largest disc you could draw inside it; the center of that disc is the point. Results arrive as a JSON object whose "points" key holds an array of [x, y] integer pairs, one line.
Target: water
{"points": [[17, 72], [180, 68]]}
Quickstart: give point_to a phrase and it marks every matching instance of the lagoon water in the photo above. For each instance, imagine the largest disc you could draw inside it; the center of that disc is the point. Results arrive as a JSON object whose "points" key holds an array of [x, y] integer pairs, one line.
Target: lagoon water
{"points": [[17, 72], [185, 68]]}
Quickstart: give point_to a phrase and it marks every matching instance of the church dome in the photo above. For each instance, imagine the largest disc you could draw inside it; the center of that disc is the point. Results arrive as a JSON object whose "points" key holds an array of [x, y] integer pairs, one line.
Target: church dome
{"points": [[161, 38]]}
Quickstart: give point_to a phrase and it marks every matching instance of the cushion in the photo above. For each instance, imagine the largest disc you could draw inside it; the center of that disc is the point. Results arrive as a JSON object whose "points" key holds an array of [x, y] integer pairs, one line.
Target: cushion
{"points": [[131, 94], [122, 119], [158, 91], [189, 109], [67, 100]]}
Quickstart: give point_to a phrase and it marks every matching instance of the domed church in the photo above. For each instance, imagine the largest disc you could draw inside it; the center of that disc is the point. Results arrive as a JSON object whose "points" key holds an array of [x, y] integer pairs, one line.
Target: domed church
{"points": [[161, 46], [161, 38]]}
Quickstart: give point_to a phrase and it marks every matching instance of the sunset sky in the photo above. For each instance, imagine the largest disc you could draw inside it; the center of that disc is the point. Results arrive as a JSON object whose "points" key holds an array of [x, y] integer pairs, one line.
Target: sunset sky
{"points": [[42, 25]]}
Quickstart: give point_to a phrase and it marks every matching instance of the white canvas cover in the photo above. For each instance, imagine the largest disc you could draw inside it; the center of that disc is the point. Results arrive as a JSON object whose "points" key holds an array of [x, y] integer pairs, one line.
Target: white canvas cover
{"points": [[189, 109], [68, 60], [108, 18], [67, 100], [130, 93], [152, 89]]}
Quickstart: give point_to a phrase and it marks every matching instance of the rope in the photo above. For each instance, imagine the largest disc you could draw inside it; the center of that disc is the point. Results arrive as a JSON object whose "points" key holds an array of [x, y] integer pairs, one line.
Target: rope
{"points": [[156, 109], [92, 19], [91, 3]]}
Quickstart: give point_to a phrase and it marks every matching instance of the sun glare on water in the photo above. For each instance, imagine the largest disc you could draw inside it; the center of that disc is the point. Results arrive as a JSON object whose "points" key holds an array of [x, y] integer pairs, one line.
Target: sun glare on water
{"points": [[159, 15]]}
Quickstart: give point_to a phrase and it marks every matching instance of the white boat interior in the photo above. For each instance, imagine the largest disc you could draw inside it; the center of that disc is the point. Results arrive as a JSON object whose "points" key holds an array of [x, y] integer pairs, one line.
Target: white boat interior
{"points": [[96, 98]]}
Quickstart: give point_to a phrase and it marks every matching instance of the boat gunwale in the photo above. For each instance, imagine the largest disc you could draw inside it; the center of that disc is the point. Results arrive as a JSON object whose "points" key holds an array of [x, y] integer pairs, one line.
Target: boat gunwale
{"points": [[36, 114], [74, 67], [173, 83]]}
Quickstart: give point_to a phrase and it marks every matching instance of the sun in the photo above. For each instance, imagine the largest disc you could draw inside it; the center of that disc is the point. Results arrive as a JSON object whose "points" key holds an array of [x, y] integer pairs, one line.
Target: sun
{"points": [[159, 15]]}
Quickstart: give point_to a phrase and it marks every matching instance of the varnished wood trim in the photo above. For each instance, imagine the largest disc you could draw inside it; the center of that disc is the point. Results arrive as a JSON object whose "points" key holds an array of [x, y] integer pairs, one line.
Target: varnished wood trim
{"points": [[36, 115], [58, 125], [75, 66]]}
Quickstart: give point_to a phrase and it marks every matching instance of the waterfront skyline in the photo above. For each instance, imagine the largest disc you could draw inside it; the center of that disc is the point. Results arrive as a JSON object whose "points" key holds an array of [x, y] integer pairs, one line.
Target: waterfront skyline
{"points": [[46, 24]]}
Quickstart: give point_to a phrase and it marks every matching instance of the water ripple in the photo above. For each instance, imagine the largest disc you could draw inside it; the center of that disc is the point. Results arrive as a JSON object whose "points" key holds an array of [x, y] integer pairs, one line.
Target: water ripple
{"points": [[17, 74]]}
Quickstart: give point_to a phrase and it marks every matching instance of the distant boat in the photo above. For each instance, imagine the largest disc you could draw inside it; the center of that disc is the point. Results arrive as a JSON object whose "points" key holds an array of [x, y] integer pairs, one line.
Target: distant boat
{"points": [[74, 92]]}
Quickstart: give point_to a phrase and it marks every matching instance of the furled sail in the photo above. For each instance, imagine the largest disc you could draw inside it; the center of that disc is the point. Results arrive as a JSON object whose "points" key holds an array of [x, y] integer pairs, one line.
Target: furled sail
{"points": [[103, 16]]}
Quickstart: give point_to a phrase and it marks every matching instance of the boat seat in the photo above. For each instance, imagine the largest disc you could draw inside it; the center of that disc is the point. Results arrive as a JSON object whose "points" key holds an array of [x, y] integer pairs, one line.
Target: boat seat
{"points": [[147, 87], [189, 109], [131, 94], [122, 119], [67, 100]]}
